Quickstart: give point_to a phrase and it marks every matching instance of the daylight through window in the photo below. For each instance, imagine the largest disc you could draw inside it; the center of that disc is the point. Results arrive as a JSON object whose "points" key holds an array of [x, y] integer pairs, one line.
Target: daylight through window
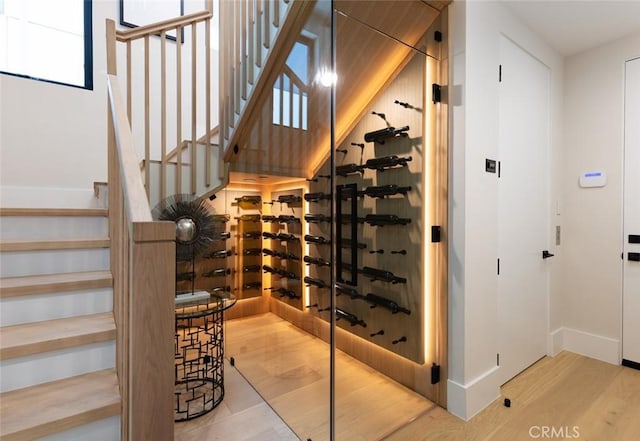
{"points": [[47, 40], [290, 97]]}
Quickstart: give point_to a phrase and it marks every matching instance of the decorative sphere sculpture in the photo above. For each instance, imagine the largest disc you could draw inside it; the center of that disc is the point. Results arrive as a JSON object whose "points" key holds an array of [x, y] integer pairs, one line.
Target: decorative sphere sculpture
{"points": [[186, 230]]}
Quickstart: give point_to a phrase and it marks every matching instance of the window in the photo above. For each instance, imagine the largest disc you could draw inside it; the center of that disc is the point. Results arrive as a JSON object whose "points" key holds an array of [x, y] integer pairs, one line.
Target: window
{"points": [[47, 40], [290, 96]]}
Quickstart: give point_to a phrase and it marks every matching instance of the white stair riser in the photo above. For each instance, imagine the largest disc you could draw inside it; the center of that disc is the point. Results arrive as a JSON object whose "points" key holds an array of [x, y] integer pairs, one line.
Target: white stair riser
{"points": [[56, 365], [52, 227], [36, 308], [107, 429], [29, 263]]}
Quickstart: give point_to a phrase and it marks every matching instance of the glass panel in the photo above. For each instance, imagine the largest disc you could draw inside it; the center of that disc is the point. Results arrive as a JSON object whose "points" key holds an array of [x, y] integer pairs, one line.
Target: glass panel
{"points": [[298, 61], [384, 307], [278, 335], [348, 360]]}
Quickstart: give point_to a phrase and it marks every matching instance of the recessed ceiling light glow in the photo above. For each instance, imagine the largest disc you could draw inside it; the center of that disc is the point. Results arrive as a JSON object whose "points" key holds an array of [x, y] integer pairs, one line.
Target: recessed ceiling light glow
{"points": [[327, 78]]}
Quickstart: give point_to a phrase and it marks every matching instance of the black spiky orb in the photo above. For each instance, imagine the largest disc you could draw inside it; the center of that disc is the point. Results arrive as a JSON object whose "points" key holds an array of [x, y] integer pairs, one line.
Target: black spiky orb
{"points": [[195, 221]]}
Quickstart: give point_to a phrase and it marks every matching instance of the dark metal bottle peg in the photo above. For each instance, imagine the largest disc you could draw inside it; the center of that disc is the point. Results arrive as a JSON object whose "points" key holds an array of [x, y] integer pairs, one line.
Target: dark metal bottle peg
{"points": [[403, 104], [315, 305], [383, 116], [400, 340], [380, 251], [403, 252], [380, 332]]}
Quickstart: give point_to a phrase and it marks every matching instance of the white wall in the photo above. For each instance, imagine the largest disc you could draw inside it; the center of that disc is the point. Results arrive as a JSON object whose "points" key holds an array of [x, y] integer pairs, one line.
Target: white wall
{"points": [[591, 281], [474, 285], [53, 138]]}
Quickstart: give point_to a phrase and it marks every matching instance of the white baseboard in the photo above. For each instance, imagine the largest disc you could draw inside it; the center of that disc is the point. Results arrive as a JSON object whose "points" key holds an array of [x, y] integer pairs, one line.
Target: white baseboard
{"points": [[47, 197], [556, 342], [584, 343], [465, 401]]}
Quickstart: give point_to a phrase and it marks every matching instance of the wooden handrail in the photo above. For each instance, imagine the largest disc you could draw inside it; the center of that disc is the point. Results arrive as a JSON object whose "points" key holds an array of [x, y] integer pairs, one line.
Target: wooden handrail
{"points": [[177, 116], [266, 55], [156, 28], [295, 79], [184, 144], [207, 136], [138, 205], [142, 256]]}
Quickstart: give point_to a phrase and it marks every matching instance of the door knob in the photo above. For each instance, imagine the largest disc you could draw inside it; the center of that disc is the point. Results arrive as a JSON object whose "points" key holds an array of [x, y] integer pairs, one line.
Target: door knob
{"points": [[546, 254]]}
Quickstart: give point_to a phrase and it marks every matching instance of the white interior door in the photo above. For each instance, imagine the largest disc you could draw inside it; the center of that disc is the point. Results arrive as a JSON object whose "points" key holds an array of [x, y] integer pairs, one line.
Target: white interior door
{"points": [[631, 268], [523, 209]]}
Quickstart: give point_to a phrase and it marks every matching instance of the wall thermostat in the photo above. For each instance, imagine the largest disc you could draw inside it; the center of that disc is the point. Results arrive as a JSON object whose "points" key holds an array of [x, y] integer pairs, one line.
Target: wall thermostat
{"points": [[593, 179]]}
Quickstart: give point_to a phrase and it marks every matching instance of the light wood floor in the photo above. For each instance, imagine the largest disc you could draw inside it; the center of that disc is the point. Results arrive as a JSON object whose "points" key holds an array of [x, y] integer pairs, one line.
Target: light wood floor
{"points": [[242, 416], [601, 401], [289, 369]]}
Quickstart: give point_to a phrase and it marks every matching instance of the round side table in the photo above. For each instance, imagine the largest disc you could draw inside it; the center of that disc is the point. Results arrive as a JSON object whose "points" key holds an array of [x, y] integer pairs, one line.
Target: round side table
{"points": [[199, 352]]}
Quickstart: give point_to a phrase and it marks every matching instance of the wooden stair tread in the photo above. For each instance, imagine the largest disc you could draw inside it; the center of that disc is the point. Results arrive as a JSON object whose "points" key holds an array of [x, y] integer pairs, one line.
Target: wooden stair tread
{"points": [[48, 408], [40, 245], [51, 283], [51, 335], [81, 212]]}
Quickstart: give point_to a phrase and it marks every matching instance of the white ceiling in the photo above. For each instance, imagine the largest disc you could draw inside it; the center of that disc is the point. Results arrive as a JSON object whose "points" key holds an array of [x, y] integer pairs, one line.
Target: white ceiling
{"points": [[573, 26]]}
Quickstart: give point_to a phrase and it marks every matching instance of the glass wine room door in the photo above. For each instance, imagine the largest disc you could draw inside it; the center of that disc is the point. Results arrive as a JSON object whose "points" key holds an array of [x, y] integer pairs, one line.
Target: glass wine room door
{"points": [[277, 336], [337, 208], [390, 174]]}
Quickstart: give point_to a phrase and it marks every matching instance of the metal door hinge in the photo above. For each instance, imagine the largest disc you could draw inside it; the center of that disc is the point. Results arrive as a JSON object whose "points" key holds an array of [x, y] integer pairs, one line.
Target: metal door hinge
{"points": [[435, 373], [436, 93], [436, 233]]}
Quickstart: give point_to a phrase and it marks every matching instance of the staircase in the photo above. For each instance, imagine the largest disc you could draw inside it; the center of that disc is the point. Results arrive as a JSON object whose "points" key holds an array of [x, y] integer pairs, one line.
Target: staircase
{"points": [[87, 312], [57, 336]]}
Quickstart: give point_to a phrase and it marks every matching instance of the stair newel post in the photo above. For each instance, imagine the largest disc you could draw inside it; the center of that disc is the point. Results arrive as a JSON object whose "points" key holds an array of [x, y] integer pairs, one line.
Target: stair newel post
{"points": [[152, 330], [111, 48]]}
